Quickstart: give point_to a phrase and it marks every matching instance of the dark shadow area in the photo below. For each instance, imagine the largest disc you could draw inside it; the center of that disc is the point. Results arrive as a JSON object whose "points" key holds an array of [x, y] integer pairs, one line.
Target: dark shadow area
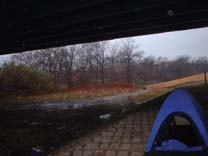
{"points": [[27, 132], [179, 127], [22, 132]]}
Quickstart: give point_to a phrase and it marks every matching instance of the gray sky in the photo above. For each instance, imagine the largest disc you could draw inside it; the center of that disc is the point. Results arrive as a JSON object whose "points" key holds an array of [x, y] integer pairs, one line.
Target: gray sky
{"points": [[172, 44], [189, 42]]}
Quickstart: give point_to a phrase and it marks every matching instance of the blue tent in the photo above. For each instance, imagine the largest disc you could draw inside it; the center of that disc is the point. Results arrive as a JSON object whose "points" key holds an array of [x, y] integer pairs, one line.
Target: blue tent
{"points": [[180, 128]]}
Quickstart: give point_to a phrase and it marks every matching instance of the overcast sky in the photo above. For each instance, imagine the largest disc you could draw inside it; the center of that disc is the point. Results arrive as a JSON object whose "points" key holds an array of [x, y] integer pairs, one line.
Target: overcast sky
{"points": [[190, 42], [172, 44]]}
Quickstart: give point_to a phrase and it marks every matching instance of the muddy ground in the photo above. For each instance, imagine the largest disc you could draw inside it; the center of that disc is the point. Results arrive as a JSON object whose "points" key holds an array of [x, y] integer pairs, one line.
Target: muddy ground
{"points": [[38, 132]]}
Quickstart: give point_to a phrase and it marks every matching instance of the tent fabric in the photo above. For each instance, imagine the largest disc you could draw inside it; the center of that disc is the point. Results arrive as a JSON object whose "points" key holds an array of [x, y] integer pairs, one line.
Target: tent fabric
{"points": [[176, 145], [179, 101]]}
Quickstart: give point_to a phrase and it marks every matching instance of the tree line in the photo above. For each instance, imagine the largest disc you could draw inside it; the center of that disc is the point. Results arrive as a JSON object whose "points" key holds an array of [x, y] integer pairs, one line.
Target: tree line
{"points": [[105, 61]]}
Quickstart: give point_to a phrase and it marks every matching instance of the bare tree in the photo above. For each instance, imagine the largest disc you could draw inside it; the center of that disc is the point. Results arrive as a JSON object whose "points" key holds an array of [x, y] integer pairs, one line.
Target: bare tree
{"points": [[99, 52], [104, 61], [112, 62], [129, 56], [68, 61], [83, 63]]}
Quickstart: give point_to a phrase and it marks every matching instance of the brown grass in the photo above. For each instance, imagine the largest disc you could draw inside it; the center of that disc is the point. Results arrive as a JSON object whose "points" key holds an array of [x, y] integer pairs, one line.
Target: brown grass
{"points": [[190, 80], [151, 94], [159, 89], [75, 93], [108, 89]]}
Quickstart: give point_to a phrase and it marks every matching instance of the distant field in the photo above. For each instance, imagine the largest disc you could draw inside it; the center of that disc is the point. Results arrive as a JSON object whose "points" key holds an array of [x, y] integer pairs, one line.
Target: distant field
{"points": [[189, 80]]}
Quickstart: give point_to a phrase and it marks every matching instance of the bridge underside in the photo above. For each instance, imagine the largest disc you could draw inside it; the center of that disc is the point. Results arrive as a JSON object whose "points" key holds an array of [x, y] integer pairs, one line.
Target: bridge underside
{"points": [[35, 24]]}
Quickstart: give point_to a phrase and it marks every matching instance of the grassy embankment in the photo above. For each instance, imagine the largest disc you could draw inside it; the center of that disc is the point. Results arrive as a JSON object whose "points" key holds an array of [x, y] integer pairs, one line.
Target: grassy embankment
{"points": [[159, 89]]}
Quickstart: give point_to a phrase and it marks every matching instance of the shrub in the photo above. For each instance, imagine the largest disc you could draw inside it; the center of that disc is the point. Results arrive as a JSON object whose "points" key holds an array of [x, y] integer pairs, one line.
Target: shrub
{"points": [[23, 80]]}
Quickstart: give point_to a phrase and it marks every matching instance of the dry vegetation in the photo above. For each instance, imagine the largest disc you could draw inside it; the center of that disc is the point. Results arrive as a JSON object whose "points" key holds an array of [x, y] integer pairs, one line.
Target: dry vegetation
{"points": [[195, 79], [107, 89], [75, 93], [159, 89], [151, 94]]}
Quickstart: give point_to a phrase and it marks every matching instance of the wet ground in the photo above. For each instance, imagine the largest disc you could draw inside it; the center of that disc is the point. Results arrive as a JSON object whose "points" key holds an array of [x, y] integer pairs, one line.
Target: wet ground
{"points": [[104, 130], [38, 132], [75, 104], [126, 137]]}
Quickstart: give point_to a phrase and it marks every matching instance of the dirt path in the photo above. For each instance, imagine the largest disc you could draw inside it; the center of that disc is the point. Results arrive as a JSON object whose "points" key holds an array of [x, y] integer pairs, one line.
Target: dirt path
{"points": [[124, 96], [74, 104]]}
